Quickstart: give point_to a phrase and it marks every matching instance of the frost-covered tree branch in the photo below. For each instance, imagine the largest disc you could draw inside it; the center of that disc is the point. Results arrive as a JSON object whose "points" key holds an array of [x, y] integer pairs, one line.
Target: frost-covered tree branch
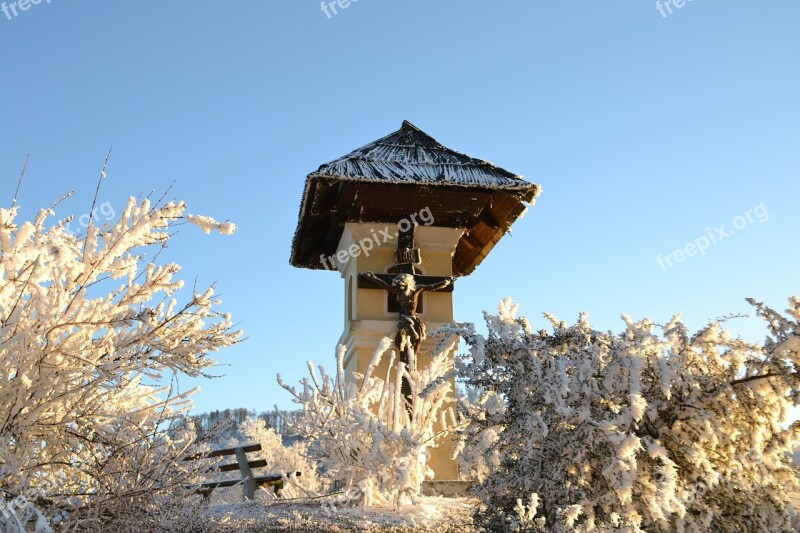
{"points": [[88, 326]]}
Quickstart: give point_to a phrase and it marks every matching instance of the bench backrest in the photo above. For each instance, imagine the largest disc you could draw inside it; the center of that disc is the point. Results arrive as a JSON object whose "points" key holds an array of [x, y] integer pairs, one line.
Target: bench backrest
{"points": [[219, 453], [242, 464]]}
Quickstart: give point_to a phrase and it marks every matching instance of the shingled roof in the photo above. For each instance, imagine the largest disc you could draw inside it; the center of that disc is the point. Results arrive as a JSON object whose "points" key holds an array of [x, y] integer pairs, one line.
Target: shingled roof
{"points": [[410, 155], [403, 173]]}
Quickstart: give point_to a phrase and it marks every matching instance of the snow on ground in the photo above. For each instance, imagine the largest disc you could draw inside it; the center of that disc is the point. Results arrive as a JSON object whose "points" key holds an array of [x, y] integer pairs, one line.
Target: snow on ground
{"points": [[431, 514]]}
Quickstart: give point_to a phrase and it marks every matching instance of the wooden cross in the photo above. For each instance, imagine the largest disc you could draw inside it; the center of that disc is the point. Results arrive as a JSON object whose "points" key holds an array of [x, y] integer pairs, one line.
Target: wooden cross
{"points": [[406, 285], [407, 258]]}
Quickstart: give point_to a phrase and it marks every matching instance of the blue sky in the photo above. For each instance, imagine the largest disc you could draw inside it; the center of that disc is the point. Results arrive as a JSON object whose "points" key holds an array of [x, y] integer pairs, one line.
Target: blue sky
{"points": [[643, 131]]}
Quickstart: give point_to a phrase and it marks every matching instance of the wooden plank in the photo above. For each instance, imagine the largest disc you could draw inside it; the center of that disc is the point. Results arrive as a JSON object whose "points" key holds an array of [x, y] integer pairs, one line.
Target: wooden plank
{"points": [[488, 219], [219, 484], [472, 240], [220, 453], [344, 193], [346, 207], [271, 480], [364, 283], [404, 199], [275, 481], [258, 463], [503, 208]]}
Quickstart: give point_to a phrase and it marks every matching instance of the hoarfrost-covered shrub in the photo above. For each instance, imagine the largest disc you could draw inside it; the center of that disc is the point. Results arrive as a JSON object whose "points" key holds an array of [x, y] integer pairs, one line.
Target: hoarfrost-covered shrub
{"points": [[478, 456], [651, 429], [87, 325], [367, 436]]}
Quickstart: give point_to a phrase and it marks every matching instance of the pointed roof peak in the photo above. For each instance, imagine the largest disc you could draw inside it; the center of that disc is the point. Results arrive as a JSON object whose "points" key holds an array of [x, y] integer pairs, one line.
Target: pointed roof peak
{"points": [[409, 134], [409, 155]]}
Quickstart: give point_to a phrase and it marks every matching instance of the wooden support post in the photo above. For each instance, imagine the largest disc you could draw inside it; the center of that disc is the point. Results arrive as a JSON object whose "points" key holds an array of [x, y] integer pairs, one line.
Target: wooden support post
{"points": [[248, 481]]}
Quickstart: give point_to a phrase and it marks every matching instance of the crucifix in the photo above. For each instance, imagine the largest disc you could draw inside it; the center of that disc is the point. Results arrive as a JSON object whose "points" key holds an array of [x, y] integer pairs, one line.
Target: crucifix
{"points": [[407, 286]]}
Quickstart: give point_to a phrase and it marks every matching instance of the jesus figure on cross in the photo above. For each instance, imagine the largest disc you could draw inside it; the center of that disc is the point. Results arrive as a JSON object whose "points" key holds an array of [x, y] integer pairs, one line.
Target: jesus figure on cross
{"points": [[410, 329]]}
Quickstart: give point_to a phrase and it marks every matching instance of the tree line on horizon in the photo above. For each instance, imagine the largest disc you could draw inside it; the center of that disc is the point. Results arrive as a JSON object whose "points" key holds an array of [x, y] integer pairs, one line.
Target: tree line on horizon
{"points": [[275, 419]]}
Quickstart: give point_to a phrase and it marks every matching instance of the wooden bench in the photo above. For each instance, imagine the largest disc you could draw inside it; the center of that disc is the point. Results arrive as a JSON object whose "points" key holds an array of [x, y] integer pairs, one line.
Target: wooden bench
{"points": [[244, 466]]}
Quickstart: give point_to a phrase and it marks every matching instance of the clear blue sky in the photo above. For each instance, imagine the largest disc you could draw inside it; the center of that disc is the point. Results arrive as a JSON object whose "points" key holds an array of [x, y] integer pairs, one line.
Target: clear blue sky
{"points": [[643, 131]]}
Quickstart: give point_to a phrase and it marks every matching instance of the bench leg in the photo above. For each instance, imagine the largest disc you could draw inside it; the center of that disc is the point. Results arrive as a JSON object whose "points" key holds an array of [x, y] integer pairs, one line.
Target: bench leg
{"points": [[249, 485]]}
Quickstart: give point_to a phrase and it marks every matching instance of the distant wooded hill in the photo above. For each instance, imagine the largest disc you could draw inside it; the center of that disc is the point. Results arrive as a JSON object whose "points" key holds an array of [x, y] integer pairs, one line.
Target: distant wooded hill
{"points": [[204, 422]]}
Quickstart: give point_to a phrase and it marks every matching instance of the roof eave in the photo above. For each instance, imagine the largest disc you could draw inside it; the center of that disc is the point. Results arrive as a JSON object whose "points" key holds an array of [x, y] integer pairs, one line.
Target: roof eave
{"points": [[523, 185]]}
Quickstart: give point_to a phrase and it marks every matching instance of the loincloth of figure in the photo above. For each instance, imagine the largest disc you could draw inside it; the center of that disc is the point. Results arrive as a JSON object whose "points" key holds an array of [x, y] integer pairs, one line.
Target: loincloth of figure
{"points": [[410, 330]]}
